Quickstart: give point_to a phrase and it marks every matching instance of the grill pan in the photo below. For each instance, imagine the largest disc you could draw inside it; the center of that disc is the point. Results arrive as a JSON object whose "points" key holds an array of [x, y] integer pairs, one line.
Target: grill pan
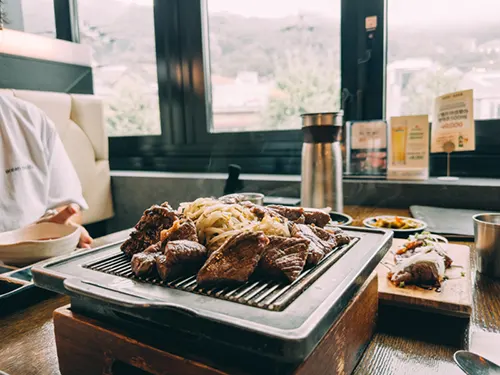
{"points": [[273, 320]]}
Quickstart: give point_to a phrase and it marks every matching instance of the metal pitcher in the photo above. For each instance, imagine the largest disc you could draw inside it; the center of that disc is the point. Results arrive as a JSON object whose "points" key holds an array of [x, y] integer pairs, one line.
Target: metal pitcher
{"points": [[322, 161]]}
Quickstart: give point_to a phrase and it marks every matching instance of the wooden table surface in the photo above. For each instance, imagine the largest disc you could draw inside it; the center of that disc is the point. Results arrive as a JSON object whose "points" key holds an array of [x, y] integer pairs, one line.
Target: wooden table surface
{"points": [[406, 342]]}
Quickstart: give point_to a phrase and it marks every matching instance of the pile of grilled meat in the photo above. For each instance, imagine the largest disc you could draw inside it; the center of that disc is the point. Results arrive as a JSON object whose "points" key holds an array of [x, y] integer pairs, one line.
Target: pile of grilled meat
{"points": [[166, 244]]}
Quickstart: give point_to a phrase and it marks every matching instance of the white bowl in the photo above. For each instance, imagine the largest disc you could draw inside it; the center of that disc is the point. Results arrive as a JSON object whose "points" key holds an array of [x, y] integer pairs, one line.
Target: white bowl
{"points": [[37, 242]]}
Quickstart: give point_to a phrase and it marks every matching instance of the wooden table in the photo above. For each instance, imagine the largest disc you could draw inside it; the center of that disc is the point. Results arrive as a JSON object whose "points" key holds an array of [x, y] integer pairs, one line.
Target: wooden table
{"points": [[406, 342]]}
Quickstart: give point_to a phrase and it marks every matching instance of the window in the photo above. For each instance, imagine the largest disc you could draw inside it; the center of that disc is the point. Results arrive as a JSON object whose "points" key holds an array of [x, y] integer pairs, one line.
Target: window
{"points": [[31, 16], [236, 75], [121, 35], [270, 61], [440, 46]]}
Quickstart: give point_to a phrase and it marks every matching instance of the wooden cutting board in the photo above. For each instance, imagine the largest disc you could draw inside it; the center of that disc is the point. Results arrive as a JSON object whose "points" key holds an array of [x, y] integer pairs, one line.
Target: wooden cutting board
{"points": [[455, 297]]}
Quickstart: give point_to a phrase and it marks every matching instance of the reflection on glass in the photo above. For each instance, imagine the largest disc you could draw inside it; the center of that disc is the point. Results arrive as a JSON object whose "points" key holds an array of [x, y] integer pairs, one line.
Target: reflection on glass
{"points": [[121, 35], [31, 16], [270, 61], [440, 46]]}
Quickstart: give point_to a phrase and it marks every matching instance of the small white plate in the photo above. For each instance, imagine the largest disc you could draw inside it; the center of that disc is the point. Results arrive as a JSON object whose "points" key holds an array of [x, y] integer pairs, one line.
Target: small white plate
{"points": [[370, 221], [36, 242]]}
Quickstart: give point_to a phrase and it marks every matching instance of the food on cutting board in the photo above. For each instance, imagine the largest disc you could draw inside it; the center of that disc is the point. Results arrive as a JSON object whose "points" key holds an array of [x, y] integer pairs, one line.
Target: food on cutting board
{"points": [[227, 240], [396, 222], [421, 261]]}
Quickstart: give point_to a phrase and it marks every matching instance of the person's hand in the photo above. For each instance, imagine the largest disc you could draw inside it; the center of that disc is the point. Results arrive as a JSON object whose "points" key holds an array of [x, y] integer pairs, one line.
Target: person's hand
{"points": [[64, 217]]}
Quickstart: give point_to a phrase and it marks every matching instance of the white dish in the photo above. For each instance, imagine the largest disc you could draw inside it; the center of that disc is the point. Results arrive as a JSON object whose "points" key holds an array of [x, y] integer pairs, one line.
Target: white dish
{"points": [[36, 242], [370, 223]]}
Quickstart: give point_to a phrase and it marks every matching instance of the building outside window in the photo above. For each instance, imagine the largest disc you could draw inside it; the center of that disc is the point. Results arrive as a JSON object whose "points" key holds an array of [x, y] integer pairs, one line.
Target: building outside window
{"points": [[121, 35], [436, 47]]}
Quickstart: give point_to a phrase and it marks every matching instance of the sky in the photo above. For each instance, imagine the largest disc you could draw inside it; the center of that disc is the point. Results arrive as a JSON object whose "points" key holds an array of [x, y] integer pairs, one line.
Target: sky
{"points": [[402, 13]]}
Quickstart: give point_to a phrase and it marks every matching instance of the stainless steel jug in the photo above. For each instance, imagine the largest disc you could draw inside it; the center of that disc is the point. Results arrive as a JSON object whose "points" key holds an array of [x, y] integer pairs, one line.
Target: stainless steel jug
{"points": [[321, 184]]}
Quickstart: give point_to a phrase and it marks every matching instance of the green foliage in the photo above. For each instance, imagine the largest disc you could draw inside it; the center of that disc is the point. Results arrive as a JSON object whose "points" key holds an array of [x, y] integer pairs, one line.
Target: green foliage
{"points": [[423, 87], [307, 80], [132, 112]]}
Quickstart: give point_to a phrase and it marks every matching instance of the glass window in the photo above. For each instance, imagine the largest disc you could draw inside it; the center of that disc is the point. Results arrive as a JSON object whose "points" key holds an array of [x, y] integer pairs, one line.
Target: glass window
{"points": [[31, 16], [270, 61], [439, 46], [121, 35]]}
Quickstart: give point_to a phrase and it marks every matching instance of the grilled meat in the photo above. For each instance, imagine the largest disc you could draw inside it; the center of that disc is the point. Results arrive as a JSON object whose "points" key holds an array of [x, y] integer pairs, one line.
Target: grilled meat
{"points": [[300, 220], [180, 258], [182, 229], [148, 229], [136, 243], [301, 216], [158, 217], [318, 248], [260, 211], [291, 213], [235, 260], [331, 234], [156, 248], [316, 217], [420, 269], [284, 257], [143, 263]]}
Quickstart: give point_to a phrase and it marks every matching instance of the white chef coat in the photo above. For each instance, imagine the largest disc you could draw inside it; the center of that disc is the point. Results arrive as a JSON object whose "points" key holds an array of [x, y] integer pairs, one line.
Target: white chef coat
{"points": [[36, 173]]}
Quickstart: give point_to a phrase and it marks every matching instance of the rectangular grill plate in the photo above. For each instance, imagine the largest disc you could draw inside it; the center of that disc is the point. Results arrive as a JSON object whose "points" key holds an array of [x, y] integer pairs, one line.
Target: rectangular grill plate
{"points": [[265, 294]]}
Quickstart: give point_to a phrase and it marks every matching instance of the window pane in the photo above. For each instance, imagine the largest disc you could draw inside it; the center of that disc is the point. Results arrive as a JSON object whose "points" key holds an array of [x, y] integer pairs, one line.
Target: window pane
{"points": [[439, 46], [121, 35], [31, 16], [270, 61]]}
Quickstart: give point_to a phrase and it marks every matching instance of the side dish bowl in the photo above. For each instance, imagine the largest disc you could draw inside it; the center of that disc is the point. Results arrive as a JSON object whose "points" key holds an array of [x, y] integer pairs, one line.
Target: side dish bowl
{"points": [[37, 242], [413, 225]]}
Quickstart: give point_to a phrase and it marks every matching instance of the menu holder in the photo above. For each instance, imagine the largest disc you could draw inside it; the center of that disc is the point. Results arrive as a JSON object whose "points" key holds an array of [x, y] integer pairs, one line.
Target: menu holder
{"points": [[409, 148], [366, 148], [453, 128]]}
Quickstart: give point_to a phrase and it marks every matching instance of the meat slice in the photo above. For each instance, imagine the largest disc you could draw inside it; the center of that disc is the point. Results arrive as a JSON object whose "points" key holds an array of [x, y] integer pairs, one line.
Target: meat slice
{"points": [[301, 216], [291, 213], [160, 217], [333, 235], [284, 257], [324, 234], [156, 248], [421, 269], [260, 211], [318, 248], [180, 257], [182, 229], [234, 261], [148, 229], [143, 263], [316, 217], [136, 243]]}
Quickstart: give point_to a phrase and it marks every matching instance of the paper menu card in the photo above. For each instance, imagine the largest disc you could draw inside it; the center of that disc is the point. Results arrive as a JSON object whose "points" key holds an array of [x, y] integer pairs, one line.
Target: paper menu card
{"points": [[408, 152], [453, 121], [366, 148]]}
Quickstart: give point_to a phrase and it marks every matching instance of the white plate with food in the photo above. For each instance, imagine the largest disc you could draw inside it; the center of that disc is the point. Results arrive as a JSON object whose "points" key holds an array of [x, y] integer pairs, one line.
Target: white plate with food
{"points": [[400, 225], [36, 242]]}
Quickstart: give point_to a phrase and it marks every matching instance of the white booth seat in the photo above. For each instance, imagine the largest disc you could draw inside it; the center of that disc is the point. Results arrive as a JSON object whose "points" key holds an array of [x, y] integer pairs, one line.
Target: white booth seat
{"points": [[80, 123]]}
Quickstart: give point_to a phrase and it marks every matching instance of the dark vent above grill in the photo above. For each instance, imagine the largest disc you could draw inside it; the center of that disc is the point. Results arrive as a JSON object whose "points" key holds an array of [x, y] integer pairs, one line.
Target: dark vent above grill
{"points": [[265, 294]]}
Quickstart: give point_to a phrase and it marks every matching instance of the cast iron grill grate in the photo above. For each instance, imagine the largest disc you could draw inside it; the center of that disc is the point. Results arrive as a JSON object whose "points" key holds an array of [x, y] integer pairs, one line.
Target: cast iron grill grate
{"points": [[266, 294]]}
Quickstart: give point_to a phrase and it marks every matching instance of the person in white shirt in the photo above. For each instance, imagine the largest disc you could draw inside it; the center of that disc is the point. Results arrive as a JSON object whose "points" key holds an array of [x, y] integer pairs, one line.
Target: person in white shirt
{"points": [[37, 179]]}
